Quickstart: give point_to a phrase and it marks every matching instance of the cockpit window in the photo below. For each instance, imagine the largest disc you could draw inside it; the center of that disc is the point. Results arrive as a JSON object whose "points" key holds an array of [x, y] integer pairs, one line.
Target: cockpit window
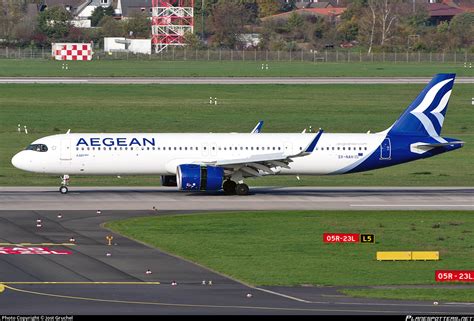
{"points": [[38, 147]]}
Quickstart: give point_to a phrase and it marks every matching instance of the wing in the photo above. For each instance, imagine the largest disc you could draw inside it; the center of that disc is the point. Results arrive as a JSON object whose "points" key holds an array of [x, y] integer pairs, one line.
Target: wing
{"points": [[263, 164], [258, 128]]}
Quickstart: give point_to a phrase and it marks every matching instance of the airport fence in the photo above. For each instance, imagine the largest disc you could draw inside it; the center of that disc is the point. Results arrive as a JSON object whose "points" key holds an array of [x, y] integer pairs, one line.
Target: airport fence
{"points": [[339, 56]]}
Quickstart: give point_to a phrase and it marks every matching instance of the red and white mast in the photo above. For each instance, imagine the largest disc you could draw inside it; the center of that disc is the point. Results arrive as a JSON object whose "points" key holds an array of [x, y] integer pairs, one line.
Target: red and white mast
{"points": [[171, 20]]}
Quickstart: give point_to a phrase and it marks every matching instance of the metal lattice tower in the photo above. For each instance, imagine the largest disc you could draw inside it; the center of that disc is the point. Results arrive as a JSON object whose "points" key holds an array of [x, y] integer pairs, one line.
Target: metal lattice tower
{"points": [[171, 20]]}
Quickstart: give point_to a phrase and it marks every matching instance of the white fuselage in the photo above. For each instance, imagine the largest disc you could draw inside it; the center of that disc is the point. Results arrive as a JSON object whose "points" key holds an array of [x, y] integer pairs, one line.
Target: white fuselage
{"points": [[160, 154]]}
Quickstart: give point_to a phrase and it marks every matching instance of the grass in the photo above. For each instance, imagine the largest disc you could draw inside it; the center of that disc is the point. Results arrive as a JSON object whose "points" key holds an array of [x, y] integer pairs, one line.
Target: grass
{"points": [[451, 295], [53, 109], [157, 68], [286, 248]]}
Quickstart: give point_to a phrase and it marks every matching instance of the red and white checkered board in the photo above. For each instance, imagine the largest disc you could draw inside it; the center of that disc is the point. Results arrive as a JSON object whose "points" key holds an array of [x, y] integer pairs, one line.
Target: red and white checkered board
{"points": [[73, 52]]}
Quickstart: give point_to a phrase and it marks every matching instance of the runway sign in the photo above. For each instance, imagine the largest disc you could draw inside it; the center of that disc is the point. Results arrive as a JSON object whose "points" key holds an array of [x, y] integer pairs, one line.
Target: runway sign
{"points": [[367, 238], [454, 275], [32, 250], [340, 238]]}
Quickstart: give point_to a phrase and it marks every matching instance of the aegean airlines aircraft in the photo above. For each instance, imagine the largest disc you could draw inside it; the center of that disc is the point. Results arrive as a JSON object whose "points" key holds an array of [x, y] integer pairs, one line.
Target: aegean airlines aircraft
{"points": [[211, 162]]}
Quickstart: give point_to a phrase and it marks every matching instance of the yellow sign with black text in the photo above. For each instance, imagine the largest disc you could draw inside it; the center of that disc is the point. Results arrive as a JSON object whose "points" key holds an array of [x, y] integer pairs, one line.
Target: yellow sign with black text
{"points": [[367, 238]]}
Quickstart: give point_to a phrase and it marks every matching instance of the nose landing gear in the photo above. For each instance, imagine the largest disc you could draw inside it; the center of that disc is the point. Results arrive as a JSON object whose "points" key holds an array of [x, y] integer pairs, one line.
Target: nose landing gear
{"points": [[64, 183]]}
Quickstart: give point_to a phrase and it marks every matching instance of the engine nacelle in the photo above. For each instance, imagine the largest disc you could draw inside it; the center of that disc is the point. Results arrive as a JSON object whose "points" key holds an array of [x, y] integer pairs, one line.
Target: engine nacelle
{"points": [[168, 180], [191, 177]]}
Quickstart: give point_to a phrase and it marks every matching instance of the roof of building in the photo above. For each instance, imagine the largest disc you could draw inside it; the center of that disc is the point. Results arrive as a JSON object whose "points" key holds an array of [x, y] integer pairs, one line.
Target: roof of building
{"points": [[442, 10], [131, 6], [319, 4], [466, 5]]}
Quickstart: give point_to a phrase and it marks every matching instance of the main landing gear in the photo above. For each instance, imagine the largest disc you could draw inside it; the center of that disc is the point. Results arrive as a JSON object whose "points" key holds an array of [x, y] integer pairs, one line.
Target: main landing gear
{"points": [[64, 183], [231, 188]]}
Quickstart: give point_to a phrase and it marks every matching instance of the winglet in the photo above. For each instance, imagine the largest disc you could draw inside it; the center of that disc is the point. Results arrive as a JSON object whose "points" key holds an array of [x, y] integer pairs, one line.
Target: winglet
{"points": [[312, 145], [257, 128]]}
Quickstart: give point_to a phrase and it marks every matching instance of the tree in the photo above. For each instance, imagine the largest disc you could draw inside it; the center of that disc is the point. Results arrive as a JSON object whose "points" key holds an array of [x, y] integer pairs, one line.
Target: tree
{"points": [[379, 21], [99, 13], [295, 22], [193, 41], [11, 12], [268, 7], [462, 27], [54, 22], [111, 27], [226, 22], [138, 25]]}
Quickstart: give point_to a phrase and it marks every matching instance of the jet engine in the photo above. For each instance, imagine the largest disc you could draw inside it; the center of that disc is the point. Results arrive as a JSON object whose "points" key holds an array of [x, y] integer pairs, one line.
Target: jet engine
{"points": [[192, 177], [168, 180]]}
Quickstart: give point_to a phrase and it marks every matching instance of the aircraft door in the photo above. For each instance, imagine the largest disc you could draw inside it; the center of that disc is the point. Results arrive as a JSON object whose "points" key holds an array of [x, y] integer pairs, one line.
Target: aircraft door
{"points": [[386, 149], [65, 149]]}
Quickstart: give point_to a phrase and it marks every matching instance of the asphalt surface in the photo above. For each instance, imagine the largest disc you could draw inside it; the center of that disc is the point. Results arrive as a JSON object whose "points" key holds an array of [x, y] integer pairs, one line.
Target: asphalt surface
{"points": [[224, 80], [261, 198], [126, 290]]}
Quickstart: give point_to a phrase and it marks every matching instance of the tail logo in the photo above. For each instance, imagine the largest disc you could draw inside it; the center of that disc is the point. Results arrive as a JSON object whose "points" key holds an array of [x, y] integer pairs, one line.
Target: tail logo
{"points": [[428, 103]]}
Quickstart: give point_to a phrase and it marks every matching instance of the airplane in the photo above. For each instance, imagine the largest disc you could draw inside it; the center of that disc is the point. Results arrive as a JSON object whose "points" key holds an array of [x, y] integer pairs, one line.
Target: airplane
{"points": [[215, 161]]}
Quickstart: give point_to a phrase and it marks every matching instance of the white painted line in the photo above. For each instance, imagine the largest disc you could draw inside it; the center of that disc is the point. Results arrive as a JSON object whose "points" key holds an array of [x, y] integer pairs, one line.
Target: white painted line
{"points": [[282, 295]]}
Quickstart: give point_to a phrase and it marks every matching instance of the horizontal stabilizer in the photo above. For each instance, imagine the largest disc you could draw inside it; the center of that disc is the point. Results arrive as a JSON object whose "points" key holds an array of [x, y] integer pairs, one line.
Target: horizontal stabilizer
{"points": [[440, 144]]}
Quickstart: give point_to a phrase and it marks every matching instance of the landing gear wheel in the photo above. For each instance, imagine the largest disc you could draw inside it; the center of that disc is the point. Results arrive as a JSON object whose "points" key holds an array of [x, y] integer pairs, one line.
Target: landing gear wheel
{"points": [[242, 189], [63, 190], [229, 187]]}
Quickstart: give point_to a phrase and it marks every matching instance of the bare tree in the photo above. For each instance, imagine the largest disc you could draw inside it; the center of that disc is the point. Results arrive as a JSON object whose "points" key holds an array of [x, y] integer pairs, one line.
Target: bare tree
{"points": [[382, 16]]}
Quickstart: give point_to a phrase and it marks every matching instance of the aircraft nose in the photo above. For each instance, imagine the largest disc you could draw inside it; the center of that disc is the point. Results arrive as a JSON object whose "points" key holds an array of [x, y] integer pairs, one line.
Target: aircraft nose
{"points": [[19, 161]]}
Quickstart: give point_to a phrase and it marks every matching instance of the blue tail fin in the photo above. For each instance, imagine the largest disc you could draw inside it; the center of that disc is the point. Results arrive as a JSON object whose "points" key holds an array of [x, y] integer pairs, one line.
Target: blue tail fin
{"points": [[425, 115]]}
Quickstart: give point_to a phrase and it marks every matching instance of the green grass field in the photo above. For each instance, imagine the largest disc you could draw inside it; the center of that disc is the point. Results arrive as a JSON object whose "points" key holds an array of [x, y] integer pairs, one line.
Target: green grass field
{"points": [[451, 295], [286, 248], [157, 68], [53, 109]]}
